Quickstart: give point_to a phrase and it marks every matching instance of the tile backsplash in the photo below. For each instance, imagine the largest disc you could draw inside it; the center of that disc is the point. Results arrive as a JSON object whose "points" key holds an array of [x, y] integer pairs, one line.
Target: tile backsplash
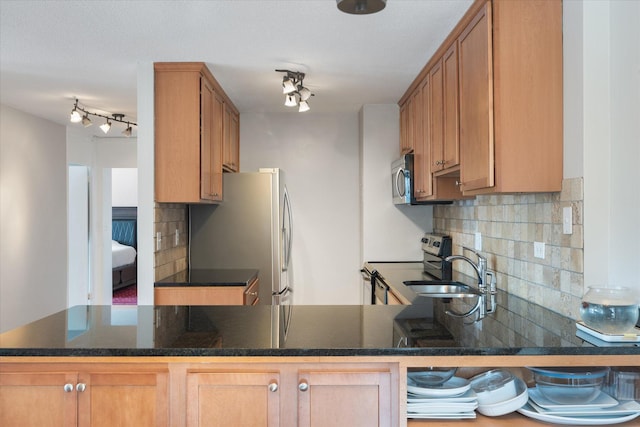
{"points": [[509, 226], [171, 258]]}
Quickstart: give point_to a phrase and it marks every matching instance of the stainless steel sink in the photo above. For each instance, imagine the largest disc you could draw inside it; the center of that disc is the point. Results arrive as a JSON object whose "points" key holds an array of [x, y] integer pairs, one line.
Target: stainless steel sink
{"points": [[442, 289]]}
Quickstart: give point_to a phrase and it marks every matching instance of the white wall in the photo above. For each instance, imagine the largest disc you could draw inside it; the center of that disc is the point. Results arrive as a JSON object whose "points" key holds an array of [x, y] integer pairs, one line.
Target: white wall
{"points": [[389, 232], [33, 218], [319, 155], [606, 35], [124, 187]]}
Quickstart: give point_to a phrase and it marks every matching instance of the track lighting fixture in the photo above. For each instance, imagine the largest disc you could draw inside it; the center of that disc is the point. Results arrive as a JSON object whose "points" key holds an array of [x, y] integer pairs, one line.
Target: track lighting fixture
{"points": [[295, 92], [77, 117]]}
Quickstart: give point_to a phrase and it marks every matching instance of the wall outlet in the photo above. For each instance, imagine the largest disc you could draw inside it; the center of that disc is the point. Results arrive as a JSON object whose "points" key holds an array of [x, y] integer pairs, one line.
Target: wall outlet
{"points": [[538, 249], [567, 220], [158, 241], [478, 242]]}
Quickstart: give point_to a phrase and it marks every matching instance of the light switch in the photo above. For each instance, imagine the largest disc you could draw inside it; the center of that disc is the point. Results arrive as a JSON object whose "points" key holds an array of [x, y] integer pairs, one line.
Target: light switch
{"points": [[177, 237], [478, 242], [538, 249], [567, 220]]}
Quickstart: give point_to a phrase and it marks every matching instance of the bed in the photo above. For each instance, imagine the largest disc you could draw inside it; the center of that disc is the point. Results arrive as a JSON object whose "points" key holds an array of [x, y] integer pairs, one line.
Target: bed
{"points": [[124, 232]]}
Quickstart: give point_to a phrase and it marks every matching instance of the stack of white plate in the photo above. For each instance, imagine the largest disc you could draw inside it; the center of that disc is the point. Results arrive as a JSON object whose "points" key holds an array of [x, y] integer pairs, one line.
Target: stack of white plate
{"points": [[452, 399], [603, 410]]}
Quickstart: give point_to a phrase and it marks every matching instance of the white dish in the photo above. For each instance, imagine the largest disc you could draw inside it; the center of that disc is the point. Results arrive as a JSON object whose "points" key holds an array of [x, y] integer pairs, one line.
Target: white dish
{"points": [[602, 401], [632, 336], [461, 416], [509, 405], [626, 408], [426, 410], [468, 396], [530, 412], [454, 387]]}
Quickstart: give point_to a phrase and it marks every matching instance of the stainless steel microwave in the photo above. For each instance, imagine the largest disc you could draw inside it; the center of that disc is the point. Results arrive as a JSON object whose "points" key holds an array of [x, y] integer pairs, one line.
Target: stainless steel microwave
{"points": [[402, 183], [402, 180]]}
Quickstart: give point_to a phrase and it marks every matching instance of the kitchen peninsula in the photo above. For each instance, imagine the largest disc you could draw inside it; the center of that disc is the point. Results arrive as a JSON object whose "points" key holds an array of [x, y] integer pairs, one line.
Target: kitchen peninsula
{"points": [[292, 365]]}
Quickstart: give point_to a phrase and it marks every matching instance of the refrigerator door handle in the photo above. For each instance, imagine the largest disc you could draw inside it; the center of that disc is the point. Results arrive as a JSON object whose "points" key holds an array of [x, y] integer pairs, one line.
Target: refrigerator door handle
{"points": [[287, 233]]}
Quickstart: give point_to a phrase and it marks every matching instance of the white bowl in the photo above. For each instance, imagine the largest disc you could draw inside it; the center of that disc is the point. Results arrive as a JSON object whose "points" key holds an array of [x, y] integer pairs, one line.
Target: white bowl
{"points": [[494, 386], [509, 405]]}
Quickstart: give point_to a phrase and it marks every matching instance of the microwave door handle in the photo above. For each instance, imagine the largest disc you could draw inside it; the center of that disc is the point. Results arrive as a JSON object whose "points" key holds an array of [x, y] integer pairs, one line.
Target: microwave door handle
{"points": [[397, 181]]}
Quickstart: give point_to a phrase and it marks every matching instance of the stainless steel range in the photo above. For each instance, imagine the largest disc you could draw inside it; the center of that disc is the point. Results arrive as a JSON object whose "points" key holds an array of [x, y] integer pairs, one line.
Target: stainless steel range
{"points": [[436, 247]]}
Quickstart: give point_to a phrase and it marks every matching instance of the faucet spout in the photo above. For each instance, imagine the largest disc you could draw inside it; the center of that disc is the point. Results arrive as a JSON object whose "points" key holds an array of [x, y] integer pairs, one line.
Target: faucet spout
{"points": [[479, 268]]}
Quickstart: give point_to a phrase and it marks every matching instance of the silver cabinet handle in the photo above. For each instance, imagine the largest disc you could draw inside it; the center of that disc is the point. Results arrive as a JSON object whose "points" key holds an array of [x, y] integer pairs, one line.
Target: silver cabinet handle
{"points": [[81, 387], [68, 388], [273, 386], [303, 386]]}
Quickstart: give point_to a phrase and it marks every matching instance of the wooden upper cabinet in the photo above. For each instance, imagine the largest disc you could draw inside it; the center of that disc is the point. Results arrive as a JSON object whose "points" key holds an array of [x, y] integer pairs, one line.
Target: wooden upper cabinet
{"points": [[422, 183], [495, 102], [510, 68], [231, 150], [450, 157], [189, 133]]}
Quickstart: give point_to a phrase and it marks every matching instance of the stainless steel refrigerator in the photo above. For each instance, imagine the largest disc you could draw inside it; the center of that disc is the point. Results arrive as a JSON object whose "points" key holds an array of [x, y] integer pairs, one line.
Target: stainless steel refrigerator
{"points": [[250, 229]]}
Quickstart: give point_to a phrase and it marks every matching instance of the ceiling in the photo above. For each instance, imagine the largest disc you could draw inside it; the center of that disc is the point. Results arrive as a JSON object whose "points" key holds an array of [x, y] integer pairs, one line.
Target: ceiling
{"points": [[54, 51]]}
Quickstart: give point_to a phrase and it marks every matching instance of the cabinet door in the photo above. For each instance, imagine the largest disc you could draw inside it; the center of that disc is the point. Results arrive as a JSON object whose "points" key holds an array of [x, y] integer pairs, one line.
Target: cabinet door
{"points": [[38, 399], [422, 188], [404, 125], [233, 399], [349, 398], [123, 399], [211, 143], [231, 140], [476, 103], [436, 117], [450, 143]]}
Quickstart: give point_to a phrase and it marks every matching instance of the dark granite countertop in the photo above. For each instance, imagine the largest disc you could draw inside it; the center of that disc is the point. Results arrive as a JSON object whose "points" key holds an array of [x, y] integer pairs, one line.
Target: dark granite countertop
{"points": [[518, 327], [343, 330], [210, 277]]}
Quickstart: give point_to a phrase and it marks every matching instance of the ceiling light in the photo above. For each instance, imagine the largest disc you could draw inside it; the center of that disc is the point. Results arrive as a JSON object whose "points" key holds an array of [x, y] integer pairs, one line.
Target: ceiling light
{"points": [[290, 100], [304, 93], [361, 7], [77, 117], [106, 126], [287, 85], [303, 107], [296, 93]]}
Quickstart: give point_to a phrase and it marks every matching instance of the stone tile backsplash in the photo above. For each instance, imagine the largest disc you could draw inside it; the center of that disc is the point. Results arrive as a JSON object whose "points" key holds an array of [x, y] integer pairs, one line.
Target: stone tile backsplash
{"points": [[171, 258], [509, 225]]}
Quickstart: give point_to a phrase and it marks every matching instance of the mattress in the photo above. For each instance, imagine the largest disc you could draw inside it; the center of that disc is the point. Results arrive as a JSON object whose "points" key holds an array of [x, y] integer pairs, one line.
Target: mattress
{"points": [[122, 254]]}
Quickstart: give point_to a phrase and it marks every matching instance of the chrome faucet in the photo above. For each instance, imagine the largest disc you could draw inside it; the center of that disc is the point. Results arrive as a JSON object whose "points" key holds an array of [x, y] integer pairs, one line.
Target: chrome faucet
{"points": [[482, 306]]}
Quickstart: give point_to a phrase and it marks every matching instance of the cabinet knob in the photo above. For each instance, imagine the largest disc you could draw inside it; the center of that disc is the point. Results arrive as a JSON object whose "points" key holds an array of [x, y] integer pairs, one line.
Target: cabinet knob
{"points": [[458, 183], [81, 387], [253, 294], [68, 388], [303, 386], [273, 386]]}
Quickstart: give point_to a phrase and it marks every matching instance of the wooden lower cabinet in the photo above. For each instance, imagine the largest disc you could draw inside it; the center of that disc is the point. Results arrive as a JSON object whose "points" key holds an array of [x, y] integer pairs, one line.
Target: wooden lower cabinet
{"points": [[321, 395], [104, 395], [290, 391]]}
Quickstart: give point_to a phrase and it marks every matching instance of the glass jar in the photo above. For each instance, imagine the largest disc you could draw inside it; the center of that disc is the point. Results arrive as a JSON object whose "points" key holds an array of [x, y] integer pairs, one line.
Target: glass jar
{"points": [[611, 310]]}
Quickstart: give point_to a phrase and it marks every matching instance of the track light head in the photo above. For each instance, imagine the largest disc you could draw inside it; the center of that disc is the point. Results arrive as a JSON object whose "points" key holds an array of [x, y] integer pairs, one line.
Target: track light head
{"points": [[76, 117], [304, 93], [127, 131], [106, 126], [290, 100], [287, 85], [86, 121], [303, 107]]}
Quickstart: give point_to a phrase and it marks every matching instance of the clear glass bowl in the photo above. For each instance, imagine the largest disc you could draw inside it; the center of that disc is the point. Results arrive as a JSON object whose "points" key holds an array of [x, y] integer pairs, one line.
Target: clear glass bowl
{"points": [[569, 386], [432, 376], [612, 310]]}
